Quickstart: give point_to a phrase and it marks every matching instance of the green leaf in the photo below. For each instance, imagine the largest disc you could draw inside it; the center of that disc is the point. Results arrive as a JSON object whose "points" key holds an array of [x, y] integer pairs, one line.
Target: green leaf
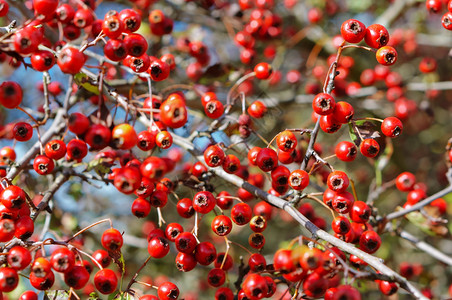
{"points": [[93, 296], [353, 134], [418, 220], [87, 83], [99, 166]]}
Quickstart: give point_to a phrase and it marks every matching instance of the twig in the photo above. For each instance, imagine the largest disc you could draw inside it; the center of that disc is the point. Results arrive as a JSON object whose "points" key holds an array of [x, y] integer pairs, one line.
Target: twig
{"points": [[420, 204], [306, 223]]}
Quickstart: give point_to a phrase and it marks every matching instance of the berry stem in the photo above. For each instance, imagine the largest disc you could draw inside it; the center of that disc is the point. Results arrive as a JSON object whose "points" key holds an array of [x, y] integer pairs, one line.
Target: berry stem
{"points": [[239, 82], [88, 227]]}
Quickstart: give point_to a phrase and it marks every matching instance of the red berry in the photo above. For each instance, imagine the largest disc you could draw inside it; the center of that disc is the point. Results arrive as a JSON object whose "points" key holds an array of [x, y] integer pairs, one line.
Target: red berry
{"points": [[369, 148], [263, 70], [376, 36], [241, 213], [386, 55], [42, 60], [353, 31], [391, 127], [369, 241], [43, 165], [267, 159], [338, 181], [10, 94], [257, 109], [19, 258], [62, 260], [204, 202], [168, 291], [158, 247], [323, 104], [185, 242], [22, 131], [346, 151], [70, 60], [102, 257], [77, 278], [105, 281], [55, 149], [341, 225], [8, 279], [221, 225], [299, 179], [112, 239]]}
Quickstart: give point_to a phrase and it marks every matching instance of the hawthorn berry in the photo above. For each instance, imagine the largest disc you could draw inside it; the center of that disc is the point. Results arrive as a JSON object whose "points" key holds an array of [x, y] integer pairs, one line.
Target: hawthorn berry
{"points": [[112, 239], [22, 131], [386, 55], [323, 104], [241, 213], [62, 260], [43, 165], [19, 257], [9, 279], [106, 281], [338, 181], [102, 257], [346, 151], [221, 225], [391, 127], [369, 147], [353, 31], [10, 94], [376, 36], [70, 60], [299, 179], [55, 149]]}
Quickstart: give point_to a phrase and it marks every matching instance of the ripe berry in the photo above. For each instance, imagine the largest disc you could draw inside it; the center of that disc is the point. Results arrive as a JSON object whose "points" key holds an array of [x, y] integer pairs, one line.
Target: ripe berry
{"points": [[115, 50], [164, 139], [369, 241], [353, 31], [256, 240], [131, 20], [376, 36], [346, 151], [342, 202], [77, 278], [343, 112], [13, 197], [221, 225], [105, 281], [43, 165], [263, 70], [214, 109], [19, 258], [434, 6], [22, 131], [255, 286], [185, 242], [360, 212], [338, 181], [70, 60], [241, 213], [216, 277], [55, 149], [299, 179], [83, 17], [62, 260], [185, 208], [369, 148], [286, 140], [8, 279], [28, 295], [168, 291], [257, 109], [124, 136], [267, 159], [158, 247], [391, 127], [214, 156], [386, 55], [231, 164], [205, 253], [102, 257], [341, 225], [112, 239], [204, 202], [42, 60], [10, 94], [323, 104], [387, 288]]}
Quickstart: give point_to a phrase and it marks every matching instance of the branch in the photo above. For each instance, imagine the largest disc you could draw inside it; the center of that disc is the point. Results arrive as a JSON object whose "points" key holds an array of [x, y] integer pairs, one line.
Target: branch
{"points": [[59, 181], [306, 223], [57, 127], [420, 204], [427, 248]]}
